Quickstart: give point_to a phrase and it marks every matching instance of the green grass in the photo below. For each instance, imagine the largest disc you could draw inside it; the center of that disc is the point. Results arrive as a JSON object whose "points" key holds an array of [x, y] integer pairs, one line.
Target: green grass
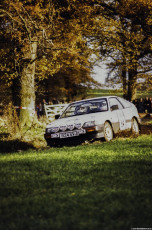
{"points": [[96, 186], [106, 92], [103, 92]]}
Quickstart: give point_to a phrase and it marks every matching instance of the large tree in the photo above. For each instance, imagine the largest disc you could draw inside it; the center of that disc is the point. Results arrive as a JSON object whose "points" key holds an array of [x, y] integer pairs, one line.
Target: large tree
{"points": [[123, 33], [25, 23], [39, 31]]}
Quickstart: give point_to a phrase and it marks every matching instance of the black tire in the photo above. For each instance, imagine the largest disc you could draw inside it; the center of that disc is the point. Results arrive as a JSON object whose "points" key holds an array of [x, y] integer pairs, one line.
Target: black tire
{"points": [[108, 131], [135, 127]]}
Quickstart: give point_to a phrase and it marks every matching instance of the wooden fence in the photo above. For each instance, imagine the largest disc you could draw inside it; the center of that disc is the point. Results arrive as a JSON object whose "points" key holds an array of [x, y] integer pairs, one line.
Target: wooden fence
{"points": [[52, 110]]}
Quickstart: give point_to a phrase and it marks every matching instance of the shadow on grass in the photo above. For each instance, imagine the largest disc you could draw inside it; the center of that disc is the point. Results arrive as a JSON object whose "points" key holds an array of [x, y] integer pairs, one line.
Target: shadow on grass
{"points": [[106, 195], [10, 146]]}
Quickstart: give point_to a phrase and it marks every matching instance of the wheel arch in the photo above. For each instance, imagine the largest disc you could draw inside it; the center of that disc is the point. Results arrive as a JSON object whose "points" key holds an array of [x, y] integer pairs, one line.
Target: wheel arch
{"points": [[111, 125], [108, 133], [134, 117], [108, 121], [135, 129], [115, 126]]}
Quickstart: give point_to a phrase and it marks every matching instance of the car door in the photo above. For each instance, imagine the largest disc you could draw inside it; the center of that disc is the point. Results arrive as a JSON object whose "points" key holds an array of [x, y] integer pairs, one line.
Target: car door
{"points": [[128, 111], [117, 113]]}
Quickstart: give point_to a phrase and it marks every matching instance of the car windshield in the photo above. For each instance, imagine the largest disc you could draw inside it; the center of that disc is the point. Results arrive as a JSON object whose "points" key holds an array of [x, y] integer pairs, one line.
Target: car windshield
{"points": [[85, 107]]}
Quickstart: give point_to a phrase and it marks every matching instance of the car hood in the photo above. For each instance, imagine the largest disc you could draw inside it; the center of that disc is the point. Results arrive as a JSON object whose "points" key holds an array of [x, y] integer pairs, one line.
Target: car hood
{"points": [[75, 120]]}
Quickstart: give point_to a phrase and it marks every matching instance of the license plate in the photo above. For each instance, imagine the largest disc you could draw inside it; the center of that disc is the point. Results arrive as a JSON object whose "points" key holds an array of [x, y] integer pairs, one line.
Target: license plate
{"points": [[68, 134], [72, 133]]}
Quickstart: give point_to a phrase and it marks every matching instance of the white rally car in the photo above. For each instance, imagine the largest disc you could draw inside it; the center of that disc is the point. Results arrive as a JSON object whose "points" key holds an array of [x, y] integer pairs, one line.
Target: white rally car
{"points": [[92, 119]]}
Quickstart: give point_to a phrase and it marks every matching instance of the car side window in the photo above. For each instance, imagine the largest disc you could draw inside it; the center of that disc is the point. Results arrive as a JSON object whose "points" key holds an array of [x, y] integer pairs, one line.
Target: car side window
{"points": [[125, 103], [114, 104]]}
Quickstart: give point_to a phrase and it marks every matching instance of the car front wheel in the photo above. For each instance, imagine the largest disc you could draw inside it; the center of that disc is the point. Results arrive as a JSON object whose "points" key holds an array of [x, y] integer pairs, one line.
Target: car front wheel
{"points": [[108, 132], [135, 127]]}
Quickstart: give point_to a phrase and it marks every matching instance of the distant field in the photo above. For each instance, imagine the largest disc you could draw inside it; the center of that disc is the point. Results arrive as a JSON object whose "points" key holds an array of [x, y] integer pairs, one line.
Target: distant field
{"points": [[106, 92], [103, 92], [96, 186]]}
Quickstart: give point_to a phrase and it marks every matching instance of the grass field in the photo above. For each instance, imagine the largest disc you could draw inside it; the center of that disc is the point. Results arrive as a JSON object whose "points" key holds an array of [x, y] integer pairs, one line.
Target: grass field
{"points": [[118, 92], [103, 92], [93, 186]]}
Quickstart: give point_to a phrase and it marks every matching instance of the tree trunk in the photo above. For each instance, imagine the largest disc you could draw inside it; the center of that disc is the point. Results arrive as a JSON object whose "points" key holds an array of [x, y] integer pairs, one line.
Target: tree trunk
{"points": [[16, 92], [124, 80], [132, 83], [27, 93]]}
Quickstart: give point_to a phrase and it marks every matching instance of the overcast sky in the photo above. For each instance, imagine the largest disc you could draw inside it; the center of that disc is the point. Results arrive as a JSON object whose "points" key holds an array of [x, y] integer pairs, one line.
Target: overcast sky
{"points": [[100, 74]]}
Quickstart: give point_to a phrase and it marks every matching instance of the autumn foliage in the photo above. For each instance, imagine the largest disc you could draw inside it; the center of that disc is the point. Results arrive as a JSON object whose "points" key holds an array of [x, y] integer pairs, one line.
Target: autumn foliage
{"points": [[46, 39]]}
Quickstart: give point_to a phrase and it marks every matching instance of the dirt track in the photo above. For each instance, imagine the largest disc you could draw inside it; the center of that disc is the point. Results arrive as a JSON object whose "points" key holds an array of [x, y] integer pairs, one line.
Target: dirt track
{"points": [[146, 128]]}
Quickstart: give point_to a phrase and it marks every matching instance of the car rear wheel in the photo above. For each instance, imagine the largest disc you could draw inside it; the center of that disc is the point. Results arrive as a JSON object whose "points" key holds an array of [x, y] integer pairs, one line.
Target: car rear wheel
{"points": [[108, 131], [135, 127]]}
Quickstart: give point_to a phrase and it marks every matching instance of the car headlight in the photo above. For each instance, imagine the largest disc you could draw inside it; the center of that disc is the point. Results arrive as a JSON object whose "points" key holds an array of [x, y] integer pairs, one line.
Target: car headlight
{"points": [[48, 130], [78, 125], [52, 130], [89, 124]]}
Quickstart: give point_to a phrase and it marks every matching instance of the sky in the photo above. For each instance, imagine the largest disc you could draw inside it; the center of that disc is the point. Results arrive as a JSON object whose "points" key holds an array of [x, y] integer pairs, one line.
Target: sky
{"points": [[100, 73]]}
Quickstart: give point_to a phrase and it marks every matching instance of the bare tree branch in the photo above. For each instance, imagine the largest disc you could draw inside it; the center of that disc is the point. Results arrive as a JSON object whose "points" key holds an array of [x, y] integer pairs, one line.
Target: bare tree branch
{"points": [[8, 14], [24, 22]]}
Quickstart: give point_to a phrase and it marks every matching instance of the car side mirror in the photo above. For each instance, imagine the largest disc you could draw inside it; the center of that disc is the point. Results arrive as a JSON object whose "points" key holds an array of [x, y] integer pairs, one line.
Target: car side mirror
{"points": [[57, 116], [114, 107]]}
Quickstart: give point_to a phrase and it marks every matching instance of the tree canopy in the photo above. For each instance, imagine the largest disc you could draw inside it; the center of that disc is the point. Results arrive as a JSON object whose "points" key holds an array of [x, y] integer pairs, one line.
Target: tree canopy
{"points": [[123, 34], [45, 37], [41, 39]]}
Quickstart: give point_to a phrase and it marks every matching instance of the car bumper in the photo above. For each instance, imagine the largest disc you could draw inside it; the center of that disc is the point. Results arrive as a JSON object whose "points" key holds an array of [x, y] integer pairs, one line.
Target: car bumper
{"points": [[91, 133]]}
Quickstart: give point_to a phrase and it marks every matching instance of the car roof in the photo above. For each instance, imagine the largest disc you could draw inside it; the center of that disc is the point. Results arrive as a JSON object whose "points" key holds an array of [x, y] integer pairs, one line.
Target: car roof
{"points": [[93, 98]]}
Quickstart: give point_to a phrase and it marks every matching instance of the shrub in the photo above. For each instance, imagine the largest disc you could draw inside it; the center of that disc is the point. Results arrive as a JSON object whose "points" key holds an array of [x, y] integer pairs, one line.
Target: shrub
{"points": [[12, 121]]}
